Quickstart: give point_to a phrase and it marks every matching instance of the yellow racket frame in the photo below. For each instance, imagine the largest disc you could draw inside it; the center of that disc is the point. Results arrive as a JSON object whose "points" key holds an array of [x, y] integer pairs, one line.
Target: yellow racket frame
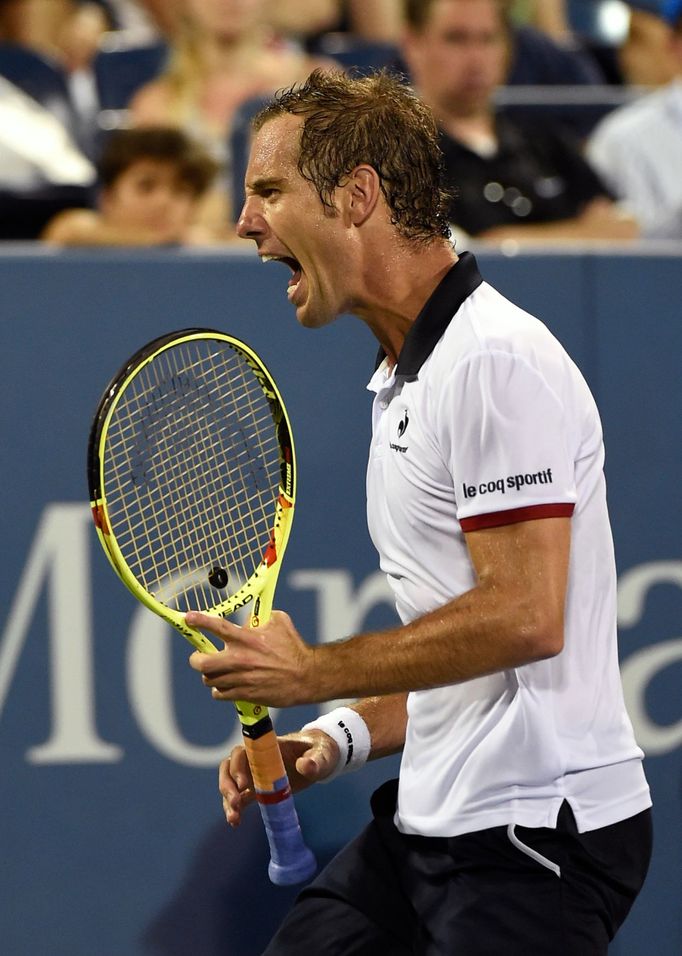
{"points": [[259, 589]]}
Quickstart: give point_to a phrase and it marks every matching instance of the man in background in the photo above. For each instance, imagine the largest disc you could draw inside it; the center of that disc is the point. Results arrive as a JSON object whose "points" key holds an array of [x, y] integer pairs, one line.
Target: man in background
{"points": [[509, 180]]}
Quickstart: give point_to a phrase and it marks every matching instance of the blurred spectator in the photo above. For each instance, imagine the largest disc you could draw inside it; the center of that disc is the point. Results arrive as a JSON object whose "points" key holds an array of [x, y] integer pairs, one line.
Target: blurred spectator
{"points": [[64, 30], [146, 21], [301, 18], [42, 167], [381, 20], [66, 35], [638, 148], [509, 180], [224, 54], [151, 182]]}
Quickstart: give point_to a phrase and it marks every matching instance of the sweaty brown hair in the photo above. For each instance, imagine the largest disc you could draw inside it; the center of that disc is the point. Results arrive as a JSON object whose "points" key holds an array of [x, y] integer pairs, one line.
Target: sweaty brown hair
{"points": [[377, 120]]}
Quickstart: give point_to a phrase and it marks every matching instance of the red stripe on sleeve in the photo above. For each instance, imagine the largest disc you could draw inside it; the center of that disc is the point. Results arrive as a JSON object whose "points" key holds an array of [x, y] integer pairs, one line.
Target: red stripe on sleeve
{"points": [[498, 518]]}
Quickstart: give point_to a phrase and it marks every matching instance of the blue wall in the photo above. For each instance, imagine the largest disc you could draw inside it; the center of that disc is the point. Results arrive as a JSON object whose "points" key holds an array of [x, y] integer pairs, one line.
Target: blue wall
{"points": [[111, 833]]}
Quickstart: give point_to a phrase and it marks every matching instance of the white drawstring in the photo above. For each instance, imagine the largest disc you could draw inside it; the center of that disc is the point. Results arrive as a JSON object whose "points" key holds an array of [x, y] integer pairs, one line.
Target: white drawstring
{"points": [[529, 851]]}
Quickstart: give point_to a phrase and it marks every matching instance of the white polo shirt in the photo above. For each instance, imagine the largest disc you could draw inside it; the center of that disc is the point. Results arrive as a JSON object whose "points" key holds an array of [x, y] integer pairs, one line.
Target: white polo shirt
{"points": [[486, 421]]}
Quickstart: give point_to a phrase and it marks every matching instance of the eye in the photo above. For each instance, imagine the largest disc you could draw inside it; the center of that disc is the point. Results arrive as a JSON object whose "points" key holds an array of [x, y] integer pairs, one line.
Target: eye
{"points": [[146, 184]]}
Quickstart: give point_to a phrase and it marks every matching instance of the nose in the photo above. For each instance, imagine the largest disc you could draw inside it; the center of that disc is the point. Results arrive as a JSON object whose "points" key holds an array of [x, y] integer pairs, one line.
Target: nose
{"points": [[251, 224]]}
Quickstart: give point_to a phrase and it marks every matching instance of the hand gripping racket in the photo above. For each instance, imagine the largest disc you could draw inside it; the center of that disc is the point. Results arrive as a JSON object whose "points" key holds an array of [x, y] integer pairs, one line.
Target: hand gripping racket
{"points": [[192, 479]]}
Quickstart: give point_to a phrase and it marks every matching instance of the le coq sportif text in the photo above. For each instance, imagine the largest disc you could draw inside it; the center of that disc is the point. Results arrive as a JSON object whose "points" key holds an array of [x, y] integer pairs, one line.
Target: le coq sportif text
{"points": [[510, 483]]}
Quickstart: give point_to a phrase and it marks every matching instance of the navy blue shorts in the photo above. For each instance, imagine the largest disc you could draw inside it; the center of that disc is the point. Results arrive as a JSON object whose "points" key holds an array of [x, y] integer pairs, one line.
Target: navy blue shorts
{"points": [[518, 891]]}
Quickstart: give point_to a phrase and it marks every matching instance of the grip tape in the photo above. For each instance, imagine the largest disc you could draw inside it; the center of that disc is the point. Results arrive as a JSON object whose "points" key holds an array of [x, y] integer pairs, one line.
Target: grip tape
{"points": [[290, 859]]}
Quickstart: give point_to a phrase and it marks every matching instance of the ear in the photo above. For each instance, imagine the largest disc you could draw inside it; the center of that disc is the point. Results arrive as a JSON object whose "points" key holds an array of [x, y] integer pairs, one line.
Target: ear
{"points": [[363, 190]]}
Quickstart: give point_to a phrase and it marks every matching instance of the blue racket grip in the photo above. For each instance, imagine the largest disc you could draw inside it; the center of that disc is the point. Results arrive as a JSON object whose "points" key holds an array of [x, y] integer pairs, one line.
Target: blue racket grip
{"points": [[290, 859]]}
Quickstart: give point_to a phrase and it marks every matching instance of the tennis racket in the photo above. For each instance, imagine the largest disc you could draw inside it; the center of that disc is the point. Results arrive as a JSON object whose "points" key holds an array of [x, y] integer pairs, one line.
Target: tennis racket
{"points": [[192, 480]]}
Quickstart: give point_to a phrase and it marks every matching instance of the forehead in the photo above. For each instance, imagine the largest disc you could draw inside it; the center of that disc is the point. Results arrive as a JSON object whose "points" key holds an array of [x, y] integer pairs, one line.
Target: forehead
{"points": [[275, 149], [466, 13]]}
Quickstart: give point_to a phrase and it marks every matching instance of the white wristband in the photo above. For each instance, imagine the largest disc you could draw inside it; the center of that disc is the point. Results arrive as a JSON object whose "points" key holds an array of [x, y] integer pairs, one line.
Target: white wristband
{"points": [[351, 733]]}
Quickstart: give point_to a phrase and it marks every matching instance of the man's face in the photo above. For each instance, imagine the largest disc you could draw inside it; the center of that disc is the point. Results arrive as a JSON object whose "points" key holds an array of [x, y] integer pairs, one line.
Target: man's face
{"points": [[285, 217], [460, 55], [150, 195]]}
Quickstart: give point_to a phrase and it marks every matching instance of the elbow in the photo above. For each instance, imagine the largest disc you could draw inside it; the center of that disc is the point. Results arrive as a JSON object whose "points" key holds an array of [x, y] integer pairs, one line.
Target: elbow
{"points": [[542, 636], [550, 642]]}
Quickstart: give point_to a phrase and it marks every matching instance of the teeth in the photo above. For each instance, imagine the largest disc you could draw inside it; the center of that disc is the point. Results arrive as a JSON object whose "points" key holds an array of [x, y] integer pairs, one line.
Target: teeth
{"points": [[268, 258]]}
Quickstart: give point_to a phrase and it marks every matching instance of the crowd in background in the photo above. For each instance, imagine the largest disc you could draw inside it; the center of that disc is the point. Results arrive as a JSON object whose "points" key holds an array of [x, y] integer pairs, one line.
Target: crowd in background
{"points": [[119, 119]]}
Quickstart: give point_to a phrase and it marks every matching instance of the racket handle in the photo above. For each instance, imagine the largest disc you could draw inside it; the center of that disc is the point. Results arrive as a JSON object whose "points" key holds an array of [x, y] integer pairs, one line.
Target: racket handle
{"points": [[290, 859]]}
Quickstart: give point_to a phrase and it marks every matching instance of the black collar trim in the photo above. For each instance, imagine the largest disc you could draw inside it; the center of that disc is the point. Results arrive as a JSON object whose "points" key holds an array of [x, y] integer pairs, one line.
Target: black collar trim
{"points": [[428, 328]]}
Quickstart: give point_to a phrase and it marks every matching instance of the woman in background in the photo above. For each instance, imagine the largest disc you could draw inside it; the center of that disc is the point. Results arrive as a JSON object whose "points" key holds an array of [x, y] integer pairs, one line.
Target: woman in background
{"points": [[225, 52]]}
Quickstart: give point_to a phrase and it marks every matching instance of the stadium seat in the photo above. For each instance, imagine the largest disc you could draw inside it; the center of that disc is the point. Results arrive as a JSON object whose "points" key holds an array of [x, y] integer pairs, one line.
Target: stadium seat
{"points": [[120, 70], [351, 52]]}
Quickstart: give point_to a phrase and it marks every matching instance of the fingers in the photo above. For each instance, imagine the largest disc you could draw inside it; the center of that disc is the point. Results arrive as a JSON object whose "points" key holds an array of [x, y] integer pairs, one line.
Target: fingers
{"points": [[320, 759], [219, 626], [270, 665], [236, 785], [309, 757]]}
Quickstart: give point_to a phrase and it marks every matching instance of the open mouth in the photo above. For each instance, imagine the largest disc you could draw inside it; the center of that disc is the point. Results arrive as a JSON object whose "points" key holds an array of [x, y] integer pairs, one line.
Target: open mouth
{"points": [[296, 271]]}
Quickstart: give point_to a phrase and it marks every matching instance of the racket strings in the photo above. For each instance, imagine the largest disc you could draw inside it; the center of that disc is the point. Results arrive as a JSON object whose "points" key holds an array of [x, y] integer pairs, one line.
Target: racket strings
{"points": [[206, 452], [191, 471]]}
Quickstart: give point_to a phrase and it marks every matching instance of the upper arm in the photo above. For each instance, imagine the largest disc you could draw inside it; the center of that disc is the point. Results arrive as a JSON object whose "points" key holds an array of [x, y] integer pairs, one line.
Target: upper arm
{"points": [[526, 565]]}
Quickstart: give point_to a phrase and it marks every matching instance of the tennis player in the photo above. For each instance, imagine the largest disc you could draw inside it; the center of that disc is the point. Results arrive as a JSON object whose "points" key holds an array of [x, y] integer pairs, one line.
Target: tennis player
{"points": [[520, 822]]}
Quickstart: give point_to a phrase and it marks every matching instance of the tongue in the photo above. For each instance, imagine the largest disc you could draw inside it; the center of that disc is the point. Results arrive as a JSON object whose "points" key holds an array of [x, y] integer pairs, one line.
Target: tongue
{"points": [[294, 283]]}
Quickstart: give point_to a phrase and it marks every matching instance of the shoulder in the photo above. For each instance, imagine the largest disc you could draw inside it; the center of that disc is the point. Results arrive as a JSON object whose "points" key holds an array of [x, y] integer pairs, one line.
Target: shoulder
{"points": [[538, 59], [490, 326], [628, 123]]}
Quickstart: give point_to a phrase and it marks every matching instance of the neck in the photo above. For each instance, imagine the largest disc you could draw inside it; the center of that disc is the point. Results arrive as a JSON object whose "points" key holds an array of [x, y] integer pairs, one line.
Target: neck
{"points": [[396, 287], [468, 127], [230, 52]]}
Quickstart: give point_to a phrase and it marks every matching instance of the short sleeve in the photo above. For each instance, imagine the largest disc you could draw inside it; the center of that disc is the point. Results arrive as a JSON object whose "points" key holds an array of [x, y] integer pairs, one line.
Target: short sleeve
{"points": [[506, 442]]}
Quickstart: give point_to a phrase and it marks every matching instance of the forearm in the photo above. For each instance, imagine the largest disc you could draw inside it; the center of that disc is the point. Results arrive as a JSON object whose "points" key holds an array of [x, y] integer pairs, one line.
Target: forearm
{"points": [[606, 222], [478, 633], [89, 229], [371, 728], [386, 719], [512, 617]]}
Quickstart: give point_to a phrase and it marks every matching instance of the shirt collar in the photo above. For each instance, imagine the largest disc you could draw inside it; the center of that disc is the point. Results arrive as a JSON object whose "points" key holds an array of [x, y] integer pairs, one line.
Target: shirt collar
{"points": [[445, 301]]}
